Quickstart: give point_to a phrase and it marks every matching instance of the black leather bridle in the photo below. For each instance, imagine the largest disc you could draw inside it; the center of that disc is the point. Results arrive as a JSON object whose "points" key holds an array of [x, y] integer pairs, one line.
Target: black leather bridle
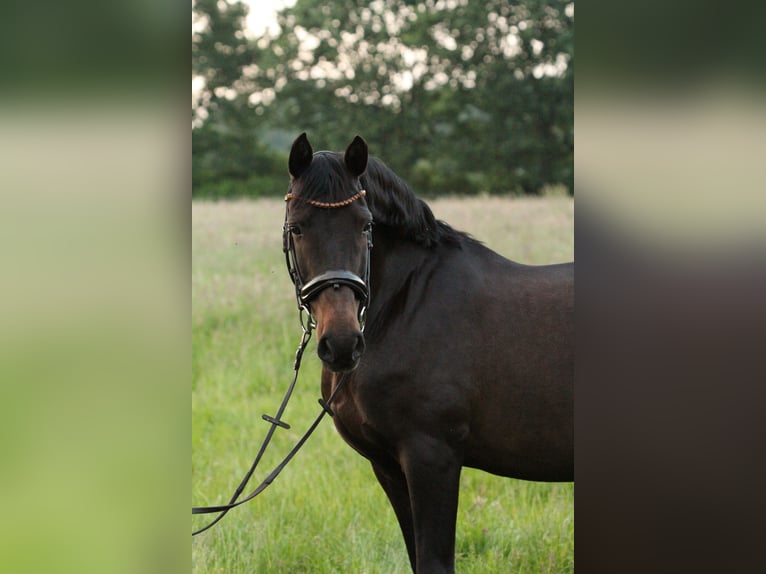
{"points": [[305, 291]]}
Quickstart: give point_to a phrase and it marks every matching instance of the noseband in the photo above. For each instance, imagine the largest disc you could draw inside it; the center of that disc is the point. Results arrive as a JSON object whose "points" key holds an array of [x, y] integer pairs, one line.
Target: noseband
{"points": [[305, 291]]}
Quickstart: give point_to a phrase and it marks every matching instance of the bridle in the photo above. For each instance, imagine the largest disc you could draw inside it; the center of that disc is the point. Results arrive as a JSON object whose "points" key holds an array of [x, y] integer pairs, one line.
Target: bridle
{"points": [[305, 291]]}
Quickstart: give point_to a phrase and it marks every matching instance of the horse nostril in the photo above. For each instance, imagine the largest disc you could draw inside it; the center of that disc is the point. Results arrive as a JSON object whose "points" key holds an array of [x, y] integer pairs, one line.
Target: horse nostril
{"points": [[325, 351], [341, 352], [359, 347]]}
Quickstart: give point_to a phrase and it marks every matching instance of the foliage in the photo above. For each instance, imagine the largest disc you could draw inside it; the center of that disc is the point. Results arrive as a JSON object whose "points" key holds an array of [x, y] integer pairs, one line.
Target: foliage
{"points": [[228, 159], [220, 52], [455, 96]]}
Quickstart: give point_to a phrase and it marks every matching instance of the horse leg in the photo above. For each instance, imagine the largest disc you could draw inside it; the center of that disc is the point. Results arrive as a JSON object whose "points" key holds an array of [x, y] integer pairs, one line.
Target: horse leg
{"points": [[395, 486], [432, 469]]}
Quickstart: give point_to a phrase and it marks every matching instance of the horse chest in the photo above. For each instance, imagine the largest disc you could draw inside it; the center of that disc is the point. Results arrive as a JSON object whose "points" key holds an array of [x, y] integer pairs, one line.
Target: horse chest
{"points": [[359, 420]]}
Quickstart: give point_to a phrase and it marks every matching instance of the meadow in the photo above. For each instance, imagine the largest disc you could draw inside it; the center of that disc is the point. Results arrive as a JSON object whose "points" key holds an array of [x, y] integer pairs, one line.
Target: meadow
{"points": [[326, 513]]}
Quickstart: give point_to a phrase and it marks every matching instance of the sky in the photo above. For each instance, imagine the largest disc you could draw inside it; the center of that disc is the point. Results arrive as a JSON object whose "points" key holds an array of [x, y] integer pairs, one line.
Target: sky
{"points": [[263, 14]]}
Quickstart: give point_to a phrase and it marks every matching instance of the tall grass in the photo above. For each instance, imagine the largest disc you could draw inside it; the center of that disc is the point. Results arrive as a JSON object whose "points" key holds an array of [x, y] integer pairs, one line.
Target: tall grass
{"points": [[326, 512]]}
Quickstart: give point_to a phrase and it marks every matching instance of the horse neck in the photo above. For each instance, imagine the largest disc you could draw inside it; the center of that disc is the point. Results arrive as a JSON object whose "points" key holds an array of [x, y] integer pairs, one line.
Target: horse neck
{"points": [[392, 265]]}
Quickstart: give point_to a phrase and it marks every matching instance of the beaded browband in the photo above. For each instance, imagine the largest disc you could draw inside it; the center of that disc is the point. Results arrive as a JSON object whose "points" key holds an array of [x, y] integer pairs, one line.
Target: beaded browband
{"points": [[330, 205]]}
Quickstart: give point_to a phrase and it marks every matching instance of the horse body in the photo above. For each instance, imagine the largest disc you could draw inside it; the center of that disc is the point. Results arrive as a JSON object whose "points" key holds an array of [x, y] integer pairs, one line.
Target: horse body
{"points": [[468, 361]]}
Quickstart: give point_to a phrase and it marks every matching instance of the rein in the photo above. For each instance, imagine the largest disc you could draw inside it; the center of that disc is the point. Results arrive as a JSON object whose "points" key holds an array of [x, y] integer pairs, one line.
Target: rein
{"points": [[304, 292], [275, 421]]}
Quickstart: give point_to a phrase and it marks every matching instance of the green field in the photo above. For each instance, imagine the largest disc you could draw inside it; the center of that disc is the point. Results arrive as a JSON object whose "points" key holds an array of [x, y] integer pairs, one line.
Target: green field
{"points": [[326, 512]]}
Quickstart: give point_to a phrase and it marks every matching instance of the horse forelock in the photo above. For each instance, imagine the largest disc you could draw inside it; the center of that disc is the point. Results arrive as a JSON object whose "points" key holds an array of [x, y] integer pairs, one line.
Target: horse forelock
{"points": [[326, 179]]}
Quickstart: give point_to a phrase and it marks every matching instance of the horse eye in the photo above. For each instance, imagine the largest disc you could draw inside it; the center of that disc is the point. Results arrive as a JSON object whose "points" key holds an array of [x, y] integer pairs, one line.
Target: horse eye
{"points": [[295, 230], [367, 227]]}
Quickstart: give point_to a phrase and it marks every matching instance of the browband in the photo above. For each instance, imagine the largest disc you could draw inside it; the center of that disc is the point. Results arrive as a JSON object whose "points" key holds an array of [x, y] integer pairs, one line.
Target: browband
{"points": [[330, 205]]}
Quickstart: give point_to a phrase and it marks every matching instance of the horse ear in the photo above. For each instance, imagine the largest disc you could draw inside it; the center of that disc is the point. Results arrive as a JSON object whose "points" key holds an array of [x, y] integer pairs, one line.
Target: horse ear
{"points": [[356, 156], [300, 155]]}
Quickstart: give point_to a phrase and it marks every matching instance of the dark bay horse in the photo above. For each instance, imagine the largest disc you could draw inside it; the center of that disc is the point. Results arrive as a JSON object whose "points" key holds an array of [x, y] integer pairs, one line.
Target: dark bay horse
{"points": [[449, 354]]}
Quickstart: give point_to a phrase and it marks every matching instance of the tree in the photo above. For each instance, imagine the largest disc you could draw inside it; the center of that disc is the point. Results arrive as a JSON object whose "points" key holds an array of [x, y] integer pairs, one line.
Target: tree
{"points": [[220, 52], [228, 158], [462, 96], [456, 96]]}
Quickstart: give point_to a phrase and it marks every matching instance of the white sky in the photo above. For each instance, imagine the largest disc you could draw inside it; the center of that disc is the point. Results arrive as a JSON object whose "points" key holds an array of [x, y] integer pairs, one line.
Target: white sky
{"points": [[263, 14]]}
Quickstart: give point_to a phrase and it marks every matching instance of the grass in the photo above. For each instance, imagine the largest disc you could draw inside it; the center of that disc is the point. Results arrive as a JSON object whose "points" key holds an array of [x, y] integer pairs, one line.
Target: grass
{"points": [[326, 512]]}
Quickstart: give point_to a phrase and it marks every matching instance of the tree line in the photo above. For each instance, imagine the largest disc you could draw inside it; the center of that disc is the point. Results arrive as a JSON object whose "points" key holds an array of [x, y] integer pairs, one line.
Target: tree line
{"points": [[456, 96]]}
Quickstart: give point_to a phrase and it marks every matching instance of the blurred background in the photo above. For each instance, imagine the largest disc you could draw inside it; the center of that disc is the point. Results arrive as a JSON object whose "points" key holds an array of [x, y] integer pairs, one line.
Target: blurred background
{"points": [[455, 96]]}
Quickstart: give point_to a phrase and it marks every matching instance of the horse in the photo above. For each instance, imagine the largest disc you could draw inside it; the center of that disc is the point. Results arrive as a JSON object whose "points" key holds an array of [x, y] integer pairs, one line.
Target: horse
{"points": [[441, 353]]}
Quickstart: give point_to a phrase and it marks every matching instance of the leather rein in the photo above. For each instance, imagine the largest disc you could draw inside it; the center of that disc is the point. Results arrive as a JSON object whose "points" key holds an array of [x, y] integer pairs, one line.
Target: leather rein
{"points": [[304, 292]]}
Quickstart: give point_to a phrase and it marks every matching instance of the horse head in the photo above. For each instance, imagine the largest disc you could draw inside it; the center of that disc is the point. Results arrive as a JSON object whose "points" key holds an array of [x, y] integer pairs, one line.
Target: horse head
{"points": [[327, 242]]}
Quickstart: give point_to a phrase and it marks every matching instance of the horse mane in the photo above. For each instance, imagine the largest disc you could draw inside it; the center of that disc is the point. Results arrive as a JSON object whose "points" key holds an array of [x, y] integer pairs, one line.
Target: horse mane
{"points": [[394, 205]]}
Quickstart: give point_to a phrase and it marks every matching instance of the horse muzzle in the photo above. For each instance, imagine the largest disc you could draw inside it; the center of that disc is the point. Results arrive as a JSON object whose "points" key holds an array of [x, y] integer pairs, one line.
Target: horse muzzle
{"points": [[336, 307], [341, 352]]}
